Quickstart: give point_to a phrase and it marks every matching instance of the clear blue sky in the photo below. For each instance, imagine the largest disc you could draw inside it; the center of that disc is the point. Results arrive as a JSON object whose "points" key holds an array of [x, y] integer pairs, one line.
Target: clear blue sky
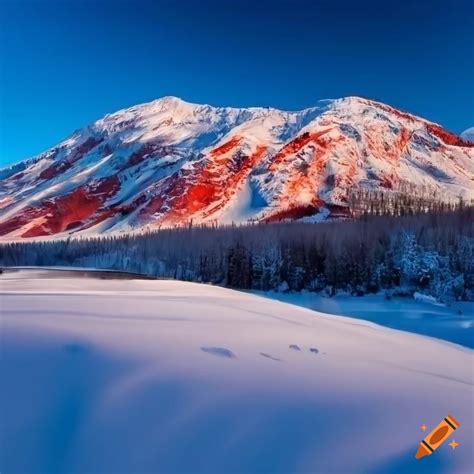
{"points": [[67, 63]]}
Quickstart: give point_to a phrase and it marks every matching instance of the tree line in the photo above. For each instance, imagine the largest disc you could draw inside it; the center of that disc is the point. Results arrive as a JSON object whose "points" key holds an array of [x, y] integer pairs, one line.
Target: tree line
{"points": [[431, 252]]}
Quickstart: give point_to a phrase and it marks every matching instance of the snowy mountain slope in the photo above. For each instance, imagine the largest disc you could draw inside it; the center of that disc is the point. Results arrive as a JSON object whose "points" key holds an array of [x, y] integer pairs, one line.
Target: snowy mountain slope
{"points": [[169, 162], [468, 134], [165, 376]]}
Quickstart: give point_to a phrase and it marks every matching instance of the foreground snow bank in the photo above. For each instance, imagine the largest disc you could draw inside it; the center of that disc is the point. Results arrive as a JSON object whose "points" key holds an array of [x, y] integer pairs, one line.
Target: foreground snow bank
{"points": [[163, 376]]}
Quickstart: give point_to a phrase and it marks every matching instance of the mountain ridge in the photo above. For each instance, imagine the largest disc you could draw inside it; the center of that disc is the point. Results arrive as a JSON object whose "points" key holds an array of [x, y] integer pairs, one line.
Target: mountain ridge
{"points": [[169, 162]]}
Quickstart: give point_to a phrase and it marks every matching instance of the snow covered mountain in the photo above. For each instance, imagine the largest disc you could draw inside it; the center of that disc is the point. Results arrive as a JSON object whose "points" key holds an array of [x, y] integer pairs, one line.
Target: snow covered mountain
{"points": [[468, 134], [170, 162]]}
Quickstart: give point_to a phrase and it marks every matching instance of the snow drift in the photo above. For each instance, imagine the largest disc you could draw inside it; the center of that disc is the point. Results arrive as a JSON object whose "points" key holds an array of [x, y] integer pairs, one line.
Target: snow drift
{"points": [[164, 376]]}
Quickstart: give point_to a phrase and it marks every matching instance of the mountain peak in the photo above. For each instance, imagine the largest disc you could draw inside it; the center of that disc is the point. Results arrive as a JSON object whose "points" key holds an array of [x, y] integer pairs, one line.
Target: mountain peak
{"points": [[169, 100], [468, 134]]}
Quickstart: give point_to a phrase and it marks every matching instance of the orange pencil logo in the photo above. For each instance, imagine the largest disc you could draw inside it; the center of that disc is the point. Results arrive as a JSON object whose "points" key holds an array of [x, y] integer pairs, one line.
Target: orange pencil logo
{"points": [[437, 437]]}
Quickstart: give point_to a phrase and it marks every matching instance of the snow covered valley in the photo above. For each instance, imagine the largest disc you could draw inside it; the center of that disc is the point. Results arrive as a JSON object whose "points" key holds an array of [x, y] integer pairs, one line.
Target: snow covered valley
{"points": [[111, 376]]}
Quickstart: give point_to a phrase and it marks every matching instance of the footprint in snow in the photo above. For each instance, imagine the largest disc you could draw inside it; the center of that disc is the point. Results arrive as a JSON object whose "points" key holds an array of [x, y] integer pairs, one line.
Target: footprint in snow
{"points": [[295, 347], [219, 351], [268, 356]]}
